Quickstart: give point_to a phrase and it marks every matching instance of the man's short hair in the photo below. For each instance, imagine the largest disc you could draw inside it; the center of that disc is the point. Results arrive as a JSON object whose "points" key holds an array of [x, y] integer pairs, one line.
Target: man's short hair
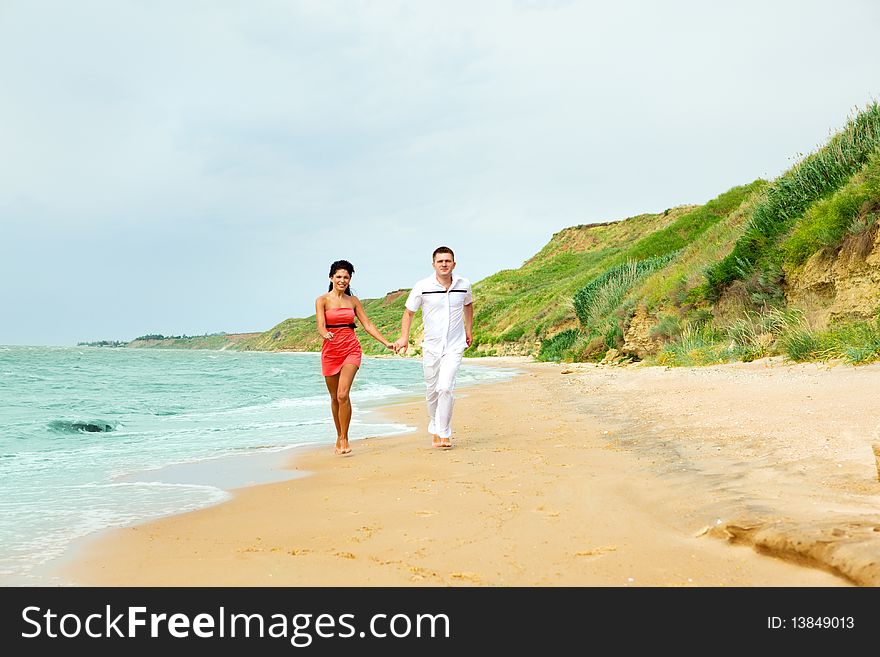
{"points": [[442, 249]]}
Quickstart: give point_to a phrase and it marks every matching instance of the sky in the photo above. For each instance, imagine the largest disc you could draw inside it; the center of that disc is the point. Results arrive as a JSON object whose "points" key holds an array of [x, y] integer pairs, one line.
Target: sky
{"points": [[190, 167]]}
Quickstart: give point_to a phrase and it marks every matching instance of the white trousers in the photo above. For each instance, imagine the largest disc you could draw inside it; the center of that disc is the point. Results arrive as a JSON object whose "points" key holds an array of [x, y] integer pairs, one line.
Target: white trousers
{"points": [[440, 371]]}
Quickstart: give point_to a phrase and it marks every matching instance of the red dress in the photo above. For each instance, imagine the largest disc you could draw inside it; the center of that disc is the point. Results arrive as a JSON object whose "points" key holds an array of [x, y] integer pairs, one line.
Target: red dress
{"points": [[344, 348]]}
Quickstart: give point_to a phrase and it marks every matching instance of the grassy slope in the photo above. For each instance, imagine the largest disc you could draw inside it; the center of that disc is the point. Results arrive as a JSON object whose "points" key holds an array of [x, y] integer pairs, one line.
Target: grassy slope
{"points": [[528, 304], [757, 255], [719, 293], [511, 299], [690, 243]]}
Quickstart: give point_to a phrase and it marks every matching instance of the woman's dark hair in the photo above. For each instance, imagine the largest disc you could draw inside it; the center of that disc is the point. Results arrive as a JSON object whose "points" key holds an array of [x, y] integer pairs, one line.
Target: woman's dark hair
{"points": [[335, 267]]}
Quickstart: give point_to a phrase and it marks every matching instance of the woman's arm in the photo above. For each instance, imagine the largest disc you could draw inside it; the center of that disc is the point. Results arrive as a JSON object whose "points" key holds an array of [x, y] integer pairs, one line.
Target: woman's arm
{"points": [[321, 320], [367, 324]]}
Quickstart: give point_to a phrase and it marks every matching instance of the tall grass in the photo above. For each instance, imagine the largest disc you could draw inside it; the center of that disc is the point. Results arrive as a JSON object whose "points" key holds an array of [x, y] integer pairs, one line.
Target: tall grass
{"points": [[556, 348], [750, 336], [684, 281], [856, 343], [697, 345], [851, 209], [594, 302], [813, 178], [773, 332]]}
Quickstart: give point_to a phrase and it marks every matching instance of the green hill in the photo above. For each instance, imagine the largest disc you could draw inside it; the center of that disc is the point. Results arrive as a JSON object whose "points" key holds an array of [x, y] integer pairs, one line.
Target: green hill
{"points": [[790, 266]]}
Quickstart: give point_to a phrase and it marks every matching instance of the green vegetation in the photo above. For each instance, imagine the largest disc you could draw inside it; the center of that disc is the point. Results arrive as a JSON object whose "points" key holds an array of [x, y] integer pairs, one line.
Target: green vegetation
{"points": [[596, 300], [102, 343], [730, 280], [774, 332], [159, 336], [208, 341], [856, 343], [852, 210], [556, 347], [693, 224], [747, 337], [815, 177], [604, 304]]}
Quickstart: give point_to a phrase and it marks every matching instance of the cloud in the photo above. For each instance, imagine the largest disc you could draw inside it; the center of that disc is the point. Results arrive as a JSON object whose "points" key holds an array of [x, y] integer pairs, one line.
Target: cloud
{"points": [[282, 134]]}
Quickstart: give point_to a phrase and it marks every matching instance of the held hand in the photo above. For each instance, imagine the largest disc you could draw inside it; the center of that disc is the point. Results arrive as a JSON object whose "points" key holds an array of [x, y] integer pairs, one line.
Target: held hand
{"points": [[399, 346]]}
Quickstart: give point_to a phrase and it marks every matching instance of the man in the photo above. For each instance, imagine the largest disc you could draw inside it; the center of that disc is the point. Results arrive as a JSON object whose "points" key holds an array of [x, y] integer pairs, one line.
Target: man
{"points": [[448, 317]]}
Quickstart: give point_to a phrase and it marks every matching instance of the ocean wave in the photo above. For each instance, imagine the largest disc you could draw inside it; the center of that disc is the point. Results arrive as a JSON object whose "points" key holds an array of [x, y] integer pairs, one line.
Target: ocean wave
{"points": [[21, 557], [378, 391], [152, 484], [284, 403]]}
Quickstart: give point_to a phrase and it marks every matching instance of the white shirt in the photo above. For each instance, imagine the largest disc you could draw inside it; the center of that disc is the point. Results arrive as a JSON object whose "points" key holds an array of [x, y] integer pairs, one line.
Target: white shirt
{"points": [[442, 312]]}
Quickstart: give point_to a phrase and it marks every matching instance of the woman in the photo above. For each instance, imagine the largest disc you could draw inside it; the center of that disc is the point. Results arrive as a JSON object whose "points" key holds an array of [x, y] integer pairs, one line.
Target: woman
{"points": [[341, 353]]}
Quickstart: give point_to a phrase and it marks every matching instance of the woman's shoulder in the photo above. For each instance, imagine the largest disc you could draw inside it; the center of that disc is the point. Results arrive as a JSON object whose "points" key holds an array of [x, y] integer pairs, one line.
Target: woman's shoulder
{"points": [[322, 298]]}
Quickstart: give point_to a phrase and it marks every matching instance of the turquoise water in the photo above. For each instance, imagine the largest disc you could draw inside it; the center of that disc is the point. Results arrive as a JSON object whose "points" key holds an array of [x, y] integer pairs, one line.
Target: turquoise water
{"points": [[96, 438]]}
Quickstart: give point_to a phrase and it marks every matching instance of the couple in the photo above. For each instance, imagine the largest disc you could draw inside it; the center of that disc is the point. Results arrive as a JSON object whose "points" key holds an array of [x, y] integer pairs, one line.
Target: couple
{"points": [[448, 316]]}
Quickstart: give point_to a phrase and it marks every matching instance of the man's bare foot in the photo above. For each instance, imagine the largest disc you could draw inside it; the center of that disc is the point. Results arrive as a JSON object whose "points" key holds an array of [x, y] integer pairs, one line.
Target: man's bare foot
{"points": [[446, 443], [436, 442]]}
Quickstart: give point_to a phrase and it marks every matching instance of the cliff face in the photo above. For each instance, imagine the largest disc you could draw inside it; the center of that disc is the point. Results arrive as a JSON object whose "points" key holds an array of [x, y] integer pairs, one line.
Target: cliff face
{"points": [[840, 285], [638, 340]]}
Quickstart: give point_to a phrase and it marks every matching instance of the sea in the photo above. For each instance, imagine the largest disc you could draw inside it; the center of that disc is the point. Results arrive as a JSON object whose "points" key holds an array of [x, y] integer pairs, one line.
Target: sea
{"points": [[95, 438]]}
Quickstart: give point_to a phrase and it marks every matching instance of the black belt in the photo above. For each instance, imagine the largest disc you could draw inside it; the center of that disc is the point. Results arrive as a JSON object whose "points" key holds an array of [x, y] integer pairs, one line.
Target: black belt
{"points": [[351, 326]]}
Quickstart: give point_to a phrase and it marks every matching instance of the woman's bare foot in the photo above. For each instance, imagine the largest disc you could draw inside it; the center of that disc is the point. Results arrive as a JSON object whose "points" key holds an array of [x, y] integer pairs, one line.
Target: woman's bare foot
{"points": [[342, 446]]}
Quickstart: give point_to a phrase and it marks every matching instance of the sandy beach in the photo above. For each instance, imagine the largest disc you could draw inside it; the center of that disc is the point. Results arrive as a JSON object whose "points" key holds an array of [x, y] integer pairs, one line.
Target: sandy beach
{"points": [[758, 474]]}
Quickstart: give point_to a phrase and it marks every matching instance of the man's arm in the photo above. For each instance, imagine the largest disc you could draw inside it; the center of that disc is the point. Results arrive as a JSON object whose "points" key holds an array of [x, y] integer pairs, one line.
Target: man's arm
{"points": [[469, 323], [405, 324]]}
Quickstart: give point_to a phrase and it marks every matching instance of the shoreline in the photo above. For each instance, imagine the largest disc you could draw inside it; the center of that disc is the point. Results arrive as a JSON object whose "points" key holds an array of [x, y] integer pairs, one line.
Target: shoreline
{"points": [[548, 493], [227, 474]]}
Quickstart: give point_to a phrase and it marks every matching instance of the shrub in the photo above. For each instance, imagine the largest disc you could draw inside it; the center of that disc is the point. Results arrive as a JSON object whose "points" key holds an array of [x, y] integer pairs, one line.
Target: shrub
{"points": [[594, 302], [848, 211], [555, 348]]}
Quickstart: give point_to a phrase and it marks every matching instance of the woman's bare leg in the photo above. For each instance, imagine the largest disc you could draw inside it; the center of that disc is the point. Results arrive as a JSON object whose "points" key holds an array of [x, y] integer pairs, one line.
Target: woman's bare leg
{"points": [[343, 388], [332, 386]]}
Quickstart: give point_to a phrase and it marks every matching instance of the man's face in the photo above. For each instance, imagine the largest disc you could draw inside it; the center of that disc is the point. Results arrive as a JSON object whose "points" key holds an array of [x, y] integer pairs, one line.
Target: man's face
{"points": [[443, 264]]}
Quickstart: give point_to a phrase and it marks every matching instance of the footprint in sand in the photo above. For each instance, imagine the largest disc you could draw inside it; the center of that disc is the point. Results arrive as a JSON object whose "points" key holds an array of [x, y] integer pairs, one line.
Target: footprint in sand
{"points": [[344, 555], [421, 573], [467, 577], [596, 552], [548, 512], [425, 513], [364, 534]]}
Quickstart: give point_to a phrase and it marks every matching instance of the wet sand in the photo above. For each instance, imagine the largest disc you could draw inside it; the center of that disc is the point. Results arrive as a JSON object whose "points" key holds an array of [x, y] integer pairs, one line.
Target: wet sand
{"points": [[755, 474]]}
